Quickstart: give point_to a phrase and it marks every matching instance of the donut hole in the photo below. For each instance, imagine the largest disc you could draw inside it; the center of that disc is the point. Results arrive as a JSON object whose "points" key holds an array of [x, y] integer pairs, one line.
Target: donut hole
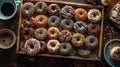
{"points": [[41, 19], [64, 47], [3, 40], [95, 14], [92, 40], [78, 39], [53, 8], [80, 13], [40, 32], [27, 33], [53, 44], [27, 8], [53, 20], [40, 6], [67, 23], [31, 46], [93, 27], [67, 11], [80, 25], [52, 32]]}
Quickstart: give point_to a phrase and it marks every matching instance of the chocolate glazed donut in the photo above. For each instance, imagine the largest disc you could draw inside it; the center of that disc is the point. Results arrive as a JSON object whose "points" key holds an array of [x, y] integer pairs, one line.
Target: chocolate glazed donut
{"points": [[93, 29], [27, 33], [53, 9], [43, 46]]}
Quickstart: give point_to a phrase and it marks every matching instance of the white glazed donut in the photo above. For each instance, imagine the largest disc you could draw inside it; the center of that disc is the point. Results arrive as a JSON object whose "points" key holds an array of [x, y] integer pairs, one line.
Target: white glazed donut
{"points": [[94, 15], [53, 46], [115, 53], [32, 46]]}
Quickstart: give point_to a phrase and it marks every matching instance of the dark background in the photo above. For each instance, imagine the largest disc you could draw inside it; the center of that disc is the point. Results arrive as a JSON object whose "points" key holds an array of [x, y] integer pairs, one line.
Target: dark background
{"points": [[9, 58]]}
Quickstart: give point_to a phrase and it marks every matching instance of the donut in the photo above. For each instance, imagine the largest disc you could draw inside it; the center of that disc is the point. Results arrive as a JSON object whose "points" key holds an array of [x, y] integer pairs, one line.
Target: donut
{"points": [[28, 9], [53, 21], [67, 12], [114, 14], [41, 20], [43, 46], [93, 29], [65, 36], [78, 39], [53, 32], [27, 33], [32, 46], [106, 2], [67, 24], [94, 15], [26, 23], [53, 46], [40, 33], [91, 42], [115, 53], [80, 26], [53, 9], [84, 53], [80, 14], [65, 49], [41, 7]]}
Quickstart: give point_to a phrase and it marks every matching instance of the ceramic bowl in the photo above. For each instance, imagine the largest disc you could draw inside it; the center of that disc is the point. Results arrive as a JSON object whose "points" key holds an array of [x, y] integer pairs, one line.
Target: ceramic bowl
{"points": [[7, 38], [107, 48]]}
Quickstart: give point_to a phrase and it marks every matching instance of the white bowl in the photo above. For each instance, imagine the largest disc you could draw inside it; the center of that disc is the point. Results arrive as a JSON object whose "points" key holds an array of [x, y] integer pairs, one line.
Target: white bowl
{"points": [[7, 38]]}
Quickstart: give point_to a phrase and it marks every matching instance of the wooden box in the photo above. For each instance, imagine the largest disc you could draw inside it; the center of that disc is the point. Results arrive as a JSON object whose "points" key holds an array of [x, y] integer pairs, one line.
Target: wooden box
{"points": [[20, 43]]}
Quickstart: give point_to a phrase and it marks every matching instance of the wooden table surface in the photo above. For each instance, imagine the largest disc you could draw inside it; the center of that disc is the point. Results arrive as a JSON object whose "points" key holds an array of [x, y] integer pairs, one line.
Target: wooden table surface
{"points": [[9, 58]]}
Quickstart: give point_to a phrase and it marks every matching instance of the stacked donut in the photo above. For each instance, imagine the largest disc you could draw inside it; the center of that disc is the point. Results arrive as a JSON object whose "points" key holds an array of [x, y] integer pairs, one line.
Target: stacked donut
{"points": [[59, 30]]}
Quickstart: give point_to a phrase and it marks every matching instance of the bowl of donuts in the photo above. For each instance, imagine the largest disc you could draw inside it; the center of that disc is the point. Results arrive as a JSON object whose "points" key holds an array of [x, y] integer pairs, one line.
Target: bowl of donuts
{"points": [[60, 29]]}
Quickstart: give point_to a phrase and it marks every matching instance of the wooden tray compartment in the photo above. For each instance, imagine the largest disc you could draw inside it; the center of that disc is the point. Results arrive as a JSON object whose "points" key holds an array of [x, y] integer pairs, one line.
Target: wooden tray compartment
{"points": [[20, 41]]}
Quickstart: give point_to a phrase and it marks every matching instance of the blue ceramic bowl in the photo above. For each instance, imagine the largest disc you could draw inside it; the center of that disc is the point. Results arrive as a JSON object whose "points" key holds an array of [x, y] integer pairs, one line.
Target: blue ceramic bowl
{"points": [[107, 52]]}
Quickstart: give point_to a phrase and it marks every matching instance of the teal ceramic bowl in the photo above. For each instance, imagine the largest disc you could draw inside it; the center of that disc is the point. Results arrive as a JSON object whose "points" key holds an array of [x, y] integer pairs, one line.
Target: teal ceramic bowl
{"points": [[107, 52], [15, 4]]}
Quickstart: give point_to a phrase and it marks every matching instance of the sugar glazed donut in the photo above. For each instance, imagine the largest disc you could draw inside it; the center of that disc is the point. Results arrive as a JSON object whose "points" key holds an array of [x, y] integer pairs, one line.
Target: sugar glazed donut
{"points": [[94, 15], [84, 53], [28, 9], [65, 36], [40, 33], [93, 29], [115, 53], [53, 32], [78, 39], [43, 46], [65, 49], [53, 21], [32, 46], [91, 42], [53, 46], [53, 9], [41, 20], [80, 14], [41, 7], [67, 24], [27, 33], [80, 26], [67, 12]]}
